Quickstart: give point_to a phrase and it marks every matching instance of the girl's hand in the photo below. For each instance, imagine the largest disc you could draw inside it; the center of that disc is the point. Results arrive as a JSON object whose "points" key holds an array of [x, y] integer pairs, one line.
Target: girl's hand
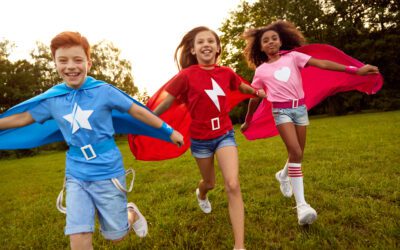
{"points": [[261, 93], [177, 138], [367, 70], [244, 127]]}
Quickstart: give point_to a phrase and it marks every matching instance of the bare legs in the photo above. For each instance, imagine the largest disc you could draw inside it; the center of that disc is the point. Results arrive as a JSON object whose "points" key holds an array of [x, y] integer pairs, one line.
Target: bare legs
{"points": [[83, 241], [227, 158], [294, 138]]}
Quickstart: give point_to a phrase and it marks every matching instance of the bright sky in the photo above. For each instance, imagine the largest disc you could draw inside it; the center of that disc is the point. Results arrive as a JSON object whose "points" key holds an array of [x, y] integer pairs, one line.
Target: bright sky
{"points": [[146, 31]]}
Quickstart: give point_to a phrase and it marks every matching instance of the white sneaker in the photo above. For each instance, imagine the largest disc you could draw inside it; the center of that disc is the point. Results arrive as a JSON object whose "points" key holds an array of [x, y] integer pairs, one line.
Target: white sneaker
{"points": [[140, 225], [306, 214], [204, 205], [286, 187]]}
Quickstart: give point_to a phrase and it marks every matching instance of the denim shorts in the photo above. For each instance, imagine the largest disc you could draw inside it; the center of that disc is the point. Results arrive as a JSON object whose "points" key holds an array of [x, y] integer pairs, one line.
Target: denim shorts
{"points": [[85, 198], [298, 116], [207, 148]]}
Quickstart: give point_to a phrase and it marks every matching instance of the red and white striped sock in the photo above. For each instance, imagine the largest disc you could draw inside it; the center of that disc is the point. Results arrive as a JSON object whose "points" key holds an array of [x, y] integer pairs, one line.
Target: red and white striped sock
{"points": [[296, 177], [284, 172]]}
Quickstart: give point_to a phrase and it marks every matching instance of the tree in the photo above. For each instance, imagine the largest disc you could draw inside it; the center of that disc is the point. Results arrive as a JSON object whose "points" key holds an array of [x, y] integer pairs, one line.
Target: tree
{"points": [[44, 68], [5, 69], [306, 15], [365, 29], [17, 81], [23, 79], [109, 67]]}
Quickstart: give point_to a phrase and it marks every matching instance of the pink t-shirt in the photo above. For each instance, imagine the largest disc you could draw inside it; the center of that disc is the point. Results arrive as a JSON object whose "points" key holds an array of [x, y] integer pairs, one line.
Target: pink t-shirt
{"points": [[282, 79]]}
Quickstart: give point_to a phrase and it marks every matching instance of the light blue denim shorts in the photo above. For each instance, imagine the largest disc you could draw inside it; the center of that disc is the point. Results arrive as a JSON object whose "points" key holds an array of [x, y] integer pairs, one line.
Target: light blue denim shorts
{"points": [[86, 198], [207, 148], [298, 116]]}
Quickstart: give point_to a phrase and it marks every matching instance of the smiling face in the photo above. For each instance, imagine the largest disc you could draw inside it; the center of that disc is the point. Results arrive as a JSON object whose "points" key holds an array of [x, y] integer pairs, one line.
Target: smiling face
{"points": [[270, 42], [205, 48], [72, 65]]}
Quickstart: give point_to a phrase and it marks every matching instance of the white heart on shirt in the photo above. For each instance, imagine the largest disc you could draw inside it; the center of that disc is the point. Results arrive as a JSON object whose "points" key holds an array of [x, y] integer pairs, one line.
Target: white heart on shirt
{"points": [[282, 74]]}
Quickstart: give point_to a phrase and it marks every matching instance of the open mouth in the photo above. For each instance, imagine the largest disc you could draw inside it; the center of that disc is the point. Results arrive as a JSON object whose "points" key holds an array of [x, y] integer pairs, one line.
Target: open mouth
{"points": [[74, 74], [206, 51]]}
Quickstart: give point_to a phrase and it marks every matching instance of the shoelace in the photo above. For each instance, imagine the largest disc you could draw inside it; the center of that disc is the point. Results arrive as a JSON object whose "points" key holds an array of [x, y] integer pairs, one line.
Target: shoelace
{"points": [[300, 205]]}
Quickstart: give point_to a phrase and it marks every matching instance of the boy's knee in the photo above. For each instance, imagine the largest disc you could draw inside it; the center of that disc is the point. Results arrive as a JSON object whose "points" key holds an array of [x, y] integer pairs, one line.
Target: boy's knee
{"points": [[118, 240]]}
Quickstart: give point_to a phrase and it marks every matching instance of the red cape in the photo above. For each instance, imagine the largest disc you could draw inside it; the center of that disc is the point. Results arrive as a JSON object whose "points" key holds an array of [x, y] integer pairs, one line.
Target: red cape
{"points": [[317, 83], [177, 116]]}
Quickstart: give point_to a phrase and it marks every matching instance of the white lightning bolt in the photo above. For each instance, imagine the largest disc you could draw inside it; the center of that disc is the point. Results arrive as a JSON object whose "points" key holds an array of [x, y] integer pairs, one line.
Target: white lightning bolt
{"points": [[214, 93]]}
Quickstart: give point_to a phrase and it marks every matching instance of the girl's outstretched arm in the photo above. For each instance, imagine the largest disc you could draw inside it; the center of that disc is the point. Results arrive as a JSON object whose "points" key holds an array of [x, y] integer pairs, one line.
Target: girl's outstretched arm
{"points": [[16, 121], [247, 89], [329, 65], [150, 119], [164, 105]]}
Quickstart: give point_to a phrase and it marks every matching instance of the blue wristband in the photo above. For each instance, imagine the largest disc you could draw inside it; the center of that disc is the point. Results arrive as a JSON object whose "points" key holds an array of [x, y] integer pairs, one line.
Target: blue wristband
{"points": [[166, 129]]}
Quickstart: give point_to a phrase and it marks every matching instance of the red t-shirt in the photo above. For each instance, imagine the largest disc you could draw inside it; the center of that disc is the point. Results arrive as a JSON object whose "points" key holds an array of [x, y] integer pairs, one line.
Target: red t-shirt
{"points": [[205, 93]]}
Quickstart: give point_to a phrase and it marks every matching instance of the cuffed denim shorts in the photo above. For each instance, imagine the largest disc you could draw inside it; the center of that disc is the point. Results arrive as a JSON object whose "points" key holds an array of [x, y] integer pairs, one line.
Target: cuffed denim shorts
{"points": [[85, 198], [298, 116], [207, 148]]}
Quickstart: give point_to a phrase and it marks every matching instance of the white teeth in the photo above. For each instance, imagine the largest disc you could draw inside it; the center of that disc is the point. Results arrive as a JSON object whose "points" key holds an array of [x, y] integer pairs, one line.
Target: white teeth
{"points": [[72, 74]]}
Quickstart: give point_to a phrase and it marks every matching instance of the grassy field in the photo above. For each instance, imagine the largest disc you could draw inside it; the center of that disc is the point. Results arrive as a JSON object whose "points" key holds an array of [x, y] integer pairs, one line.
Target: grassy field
{"points": [[352, 178]]}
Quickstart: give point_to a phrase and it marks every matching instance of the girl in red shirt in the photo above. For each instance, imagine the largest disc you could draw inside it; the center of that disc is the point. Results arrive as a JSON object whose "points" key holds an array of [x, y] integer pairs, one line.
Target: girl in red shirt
{"points": [[204, 87]]}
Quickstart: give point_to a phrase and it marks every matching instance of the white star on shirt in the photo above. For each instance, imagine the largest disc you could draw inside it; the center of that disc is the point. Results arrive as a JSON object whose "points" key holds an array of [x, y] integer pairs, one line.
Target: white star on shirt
{"points": [[79, 118]]}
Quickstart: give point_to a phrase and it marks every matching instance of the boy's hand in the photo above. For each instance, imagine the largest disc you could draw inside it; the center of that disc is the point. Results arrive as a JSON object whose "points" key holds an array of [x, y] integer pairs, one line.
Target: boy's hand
{"points": [[367, 70], [177, 138], [244, 127]]}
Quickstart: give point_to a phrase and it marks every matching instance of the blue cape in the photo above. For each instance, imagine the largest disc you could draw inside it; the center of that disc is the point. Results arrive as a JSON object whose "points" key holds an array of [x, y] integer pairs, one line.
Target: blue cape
{"points": [[37, 134]]}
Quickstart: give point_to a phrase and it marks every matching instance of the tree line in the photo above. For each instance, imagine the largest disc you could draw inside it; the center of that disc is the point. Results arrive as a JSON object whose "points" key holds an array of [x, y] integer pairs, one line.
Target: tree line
{"points": [[23, 79], [364, 29]]}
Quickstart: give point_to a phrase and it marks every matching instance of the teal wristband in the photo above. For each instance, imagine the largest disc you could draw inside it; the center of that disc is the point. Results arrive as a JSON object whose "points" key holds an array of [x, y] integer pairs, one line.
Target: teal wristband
{"points": [[166, 129]]}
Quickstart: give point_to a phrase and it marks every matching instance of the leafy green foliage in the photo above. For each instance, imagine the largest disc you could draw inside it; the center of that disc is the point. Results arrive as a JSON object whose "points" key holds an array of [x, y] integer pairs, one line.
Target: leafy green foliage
{"points": [[110, 67], [23, 79], [365, 29]]}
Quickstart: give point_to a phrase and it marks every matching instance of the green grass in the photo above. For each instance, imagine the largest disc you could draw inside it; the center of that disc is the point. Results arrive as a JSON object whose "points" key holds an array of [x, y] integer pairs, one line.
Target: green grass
{"points": [[352, 178]]}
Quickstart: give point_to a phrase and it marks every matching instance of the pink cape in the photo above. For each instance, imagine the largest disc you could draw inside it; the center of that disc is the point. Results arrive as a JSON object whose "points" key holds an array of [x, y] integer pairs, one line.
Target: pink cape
{"points": [[317, 83]]}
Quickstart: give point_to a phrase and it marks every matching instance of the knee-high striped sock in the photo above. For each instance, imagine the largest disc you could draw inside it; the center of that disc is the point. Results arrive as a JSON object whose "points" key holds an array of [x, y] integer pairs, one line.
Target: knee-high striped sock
{"points": [[284, 172], [296, 177]]}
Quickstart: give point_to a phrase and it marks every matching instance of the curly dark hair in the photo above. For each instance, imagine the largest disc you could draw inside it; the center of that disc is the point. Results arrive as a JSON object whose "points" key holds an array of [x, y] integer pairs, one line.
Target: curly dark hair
{"points": [[289, 35]]}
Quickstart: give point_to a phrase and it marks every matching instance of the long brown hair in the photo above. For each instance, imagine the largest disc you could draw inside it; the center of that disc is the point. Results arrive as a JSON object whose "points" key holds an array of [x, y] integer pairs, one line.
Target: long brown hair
{"points": [[183, 56], [68, 39], [289, 35]]}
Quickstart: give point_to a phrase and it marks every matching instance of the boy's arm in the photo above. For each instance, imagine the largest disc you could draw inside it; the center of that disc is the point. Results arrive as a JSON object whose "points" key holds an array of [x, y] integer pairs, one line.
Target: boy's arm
{"points": [[164, 105], [329, 65], [144, 115], [247, 89], [16, 121]]}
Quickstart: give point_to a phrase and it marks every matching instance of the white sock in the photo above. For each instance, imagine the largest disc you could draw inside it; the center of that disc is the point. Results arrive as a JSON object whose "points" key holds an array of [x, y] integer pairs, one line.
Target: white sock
{"points": [[296, 177], [284, 172]]}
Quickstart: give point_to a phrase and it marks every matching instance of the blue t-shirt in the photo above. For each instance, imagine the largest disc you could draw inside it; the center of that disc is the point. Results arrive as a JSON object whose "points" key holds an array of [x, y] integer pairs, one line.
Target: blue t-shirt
{"points": [[84, 117]]}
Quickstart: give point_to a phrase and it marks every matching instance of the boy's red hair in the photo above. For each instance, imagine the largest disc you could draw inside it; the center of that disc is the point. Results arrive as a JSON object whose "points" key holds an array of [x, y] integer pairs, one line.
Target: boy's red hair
{"points": [[68, 39]]}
